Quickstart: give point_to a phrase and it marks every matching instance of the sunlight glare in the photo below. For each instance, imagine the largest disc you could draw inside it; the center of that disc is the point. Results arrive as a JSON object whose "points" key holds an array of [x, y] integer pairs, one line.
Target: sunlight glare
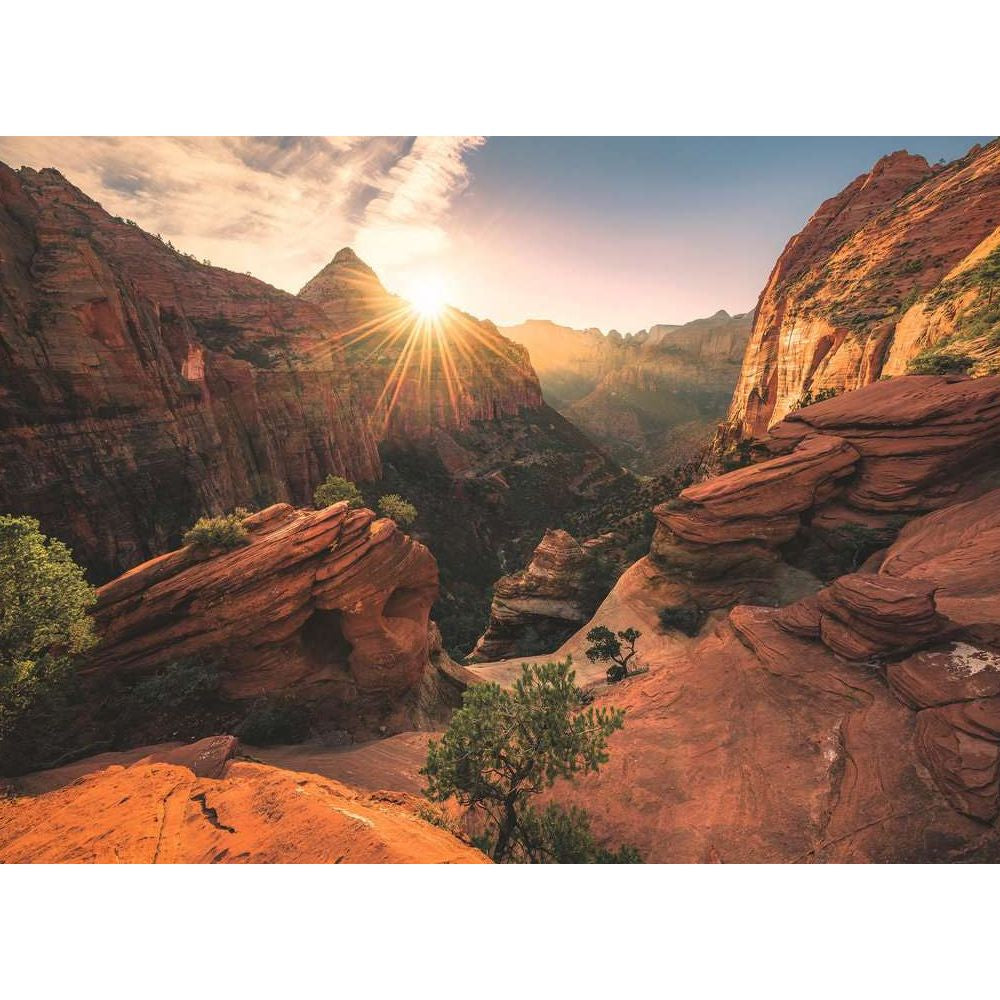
{"points": [[427, 298]]}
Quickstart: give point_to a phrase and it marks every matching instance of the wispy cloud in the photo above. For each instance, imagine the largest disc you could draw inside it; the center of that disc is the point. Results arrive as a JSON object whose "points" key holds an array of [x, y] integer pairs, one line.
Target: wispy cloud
{"points": [[278, 207]]}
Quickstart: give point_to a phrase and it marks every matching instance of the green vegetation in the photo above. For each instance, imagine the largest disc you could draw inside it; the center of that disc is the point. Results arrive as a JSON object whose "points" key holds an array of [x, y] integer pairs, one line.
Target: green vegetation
{"points": [[504, 747], [333, 489], [401, 511], [685, 618], [44, 619], [808, 399], [935, 361], [223, 532], [619, 649]]}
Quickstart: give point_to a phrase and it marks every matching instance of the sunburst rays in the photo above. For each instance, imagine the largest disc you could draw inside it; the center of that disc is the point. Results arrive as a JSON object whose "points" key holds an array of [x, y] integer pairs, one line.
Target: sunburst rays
{"points": [[437, 358]]}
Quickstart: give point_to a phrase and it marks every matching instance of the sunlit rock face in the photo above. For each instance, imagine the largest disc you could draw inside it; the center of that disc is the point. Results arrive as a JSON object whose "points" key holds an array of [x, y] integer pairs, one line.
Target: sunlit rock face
{"points": [[419, 373], [203, 804], [140, 388], [860, 720], [846, 474], [884, 270], [538, 607]]}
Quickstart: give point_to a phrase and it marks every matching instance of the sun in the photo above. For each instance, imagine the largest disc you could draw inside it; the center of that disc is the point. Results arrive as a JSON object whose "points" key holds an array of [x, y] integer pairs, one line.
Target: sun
{"points": [[427, 298]]}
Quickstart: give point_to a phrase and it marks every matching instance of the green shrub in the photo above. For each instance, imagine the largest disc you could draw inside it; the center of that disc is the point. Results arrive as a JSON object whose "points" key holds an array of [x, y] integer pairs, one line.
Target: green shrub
{"points": [[685, 618], [44, 619], [225, 531], [401, 511], [931, 362], [275, 719], [561, 836], [808, 399], [176, 686], [336, 488]]}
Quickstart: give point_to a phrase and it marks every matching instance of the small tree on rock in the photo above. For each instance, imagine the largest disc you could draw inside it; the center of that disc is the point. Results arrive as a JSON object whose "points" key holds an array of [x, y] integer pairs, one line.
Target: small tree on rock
{"points": [[401, 511], [619, 649], [503, 747], [336, 488]]}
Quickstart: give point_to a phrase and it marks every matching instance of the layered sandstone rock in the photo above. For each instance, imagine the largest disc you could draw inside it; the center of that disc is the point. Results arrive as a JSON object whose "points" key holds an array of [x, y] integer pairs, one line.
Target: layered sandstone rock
{"points": [[771, 740], [848, 473], [884, 270], [331, 605], [141, 388], [163, 810], [535, 609]]}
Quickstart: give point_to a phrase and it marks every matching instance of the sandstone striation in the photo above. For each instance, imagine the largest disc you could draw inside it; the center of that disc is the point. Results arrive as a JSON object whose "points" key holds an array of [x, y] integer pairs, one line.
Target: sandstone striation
{"points": [[846, 475], [161, 811], [330, 605], [535, 609], [898, 263], [860, 724]]}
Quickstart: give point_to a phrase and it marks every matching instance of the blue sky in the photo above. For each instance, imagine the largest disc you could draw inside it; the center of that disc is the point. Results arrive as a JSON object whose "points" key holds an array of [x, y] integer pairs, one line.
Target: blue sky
{"points": [[627, 232], [606, 232]]}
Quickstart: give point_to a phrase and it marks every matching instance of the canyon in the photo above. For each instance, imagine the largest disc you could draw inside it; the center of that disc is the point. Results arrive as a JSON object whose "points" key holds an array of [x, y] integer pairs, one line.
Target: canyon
{"points": [[834, 692]]}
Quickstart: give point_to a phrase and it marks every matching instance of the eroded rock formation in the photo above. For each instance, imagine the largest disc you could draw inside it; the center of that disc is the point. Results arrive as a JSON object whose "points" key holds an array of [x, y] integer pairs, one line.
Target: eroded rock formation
{"points": [[418, 375], [848, 473], [174, 807], [901, 261], [329, 605], [535, 609]]}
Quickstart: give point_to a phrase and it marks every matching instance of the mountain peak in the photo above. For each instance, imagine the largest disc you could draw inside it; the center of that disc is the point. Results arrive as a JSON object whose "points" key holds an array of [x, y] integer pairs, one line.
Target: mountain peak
{"points": [[346, 256]]}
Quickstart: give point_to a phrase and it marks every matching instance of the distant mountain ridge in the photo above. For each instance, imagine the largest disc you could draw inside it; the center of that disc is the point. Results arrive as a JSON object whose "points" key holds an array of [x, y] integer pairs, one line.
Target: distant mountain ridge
{"points": [[652, 398]]}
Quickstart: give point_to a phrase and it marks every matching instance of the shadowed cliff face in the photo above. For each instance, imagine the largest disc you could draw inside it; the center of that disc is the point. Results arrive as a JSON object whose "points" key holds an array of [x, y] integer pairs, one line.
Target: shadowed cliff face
{"points": [[140, 388], [652, 398], [902, 263]]}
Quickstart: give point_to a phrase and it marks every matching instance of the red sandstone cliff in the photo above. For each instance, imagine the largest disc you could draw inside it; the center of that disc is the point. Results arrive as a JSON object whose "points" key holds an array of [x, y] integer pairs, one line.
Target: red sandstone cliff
{"points": [[896, 264], [330, 605]]}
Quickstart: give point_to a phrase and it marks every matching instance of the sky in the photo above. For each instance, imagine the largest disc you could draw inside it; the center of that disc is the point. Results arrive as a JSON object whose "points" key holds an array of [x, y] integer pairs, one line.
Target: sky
{"points": [[590, 232]]}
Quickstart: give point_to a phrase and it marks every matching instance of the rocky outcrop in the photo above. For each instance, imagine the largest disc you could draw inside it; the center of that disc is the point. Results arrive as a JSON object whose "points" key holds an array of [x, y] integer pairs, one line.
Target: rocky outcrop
{"points": [[901, 261], [847, 474], [537, 608], [329, 605], [168, 810], [859, 724], [140, 388], [652, 398]]}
